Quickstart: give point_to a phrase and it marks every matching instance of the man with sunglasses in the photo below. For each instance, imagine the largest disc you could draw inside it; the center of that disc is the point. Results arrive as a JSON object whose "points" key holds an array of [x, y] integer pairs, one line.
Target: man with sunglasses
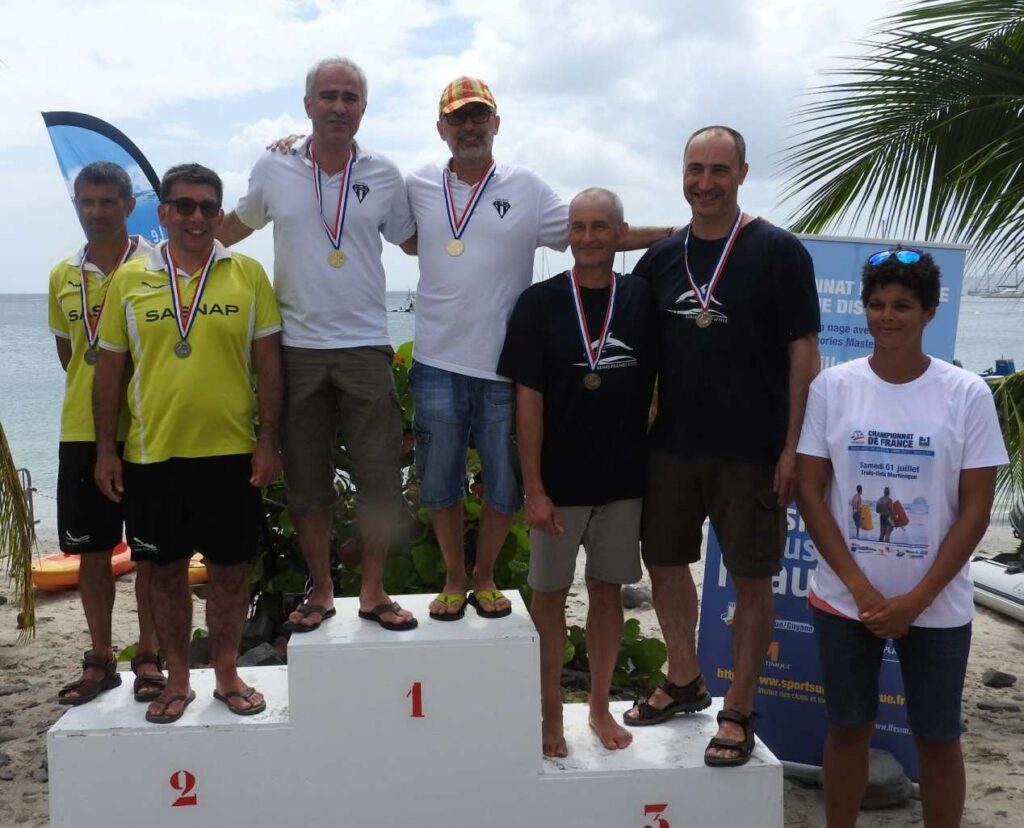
{"points": [[331, 201], [88, 524], [479, 223], [739, 325], [197, 322]]}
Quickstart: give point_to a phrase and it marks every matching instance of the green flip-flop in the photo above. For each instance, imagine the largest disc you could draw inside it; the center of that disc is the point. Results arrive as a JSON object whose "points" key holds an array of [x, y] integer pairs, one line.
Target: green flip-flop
{"points": [[448, 599]]}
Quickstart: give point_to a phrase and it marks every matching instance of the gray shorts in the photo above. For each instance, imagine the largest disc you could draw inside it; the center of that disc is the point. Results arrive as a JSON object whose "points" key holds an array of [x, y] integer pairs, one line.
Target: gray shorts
{"points": [[610, 534], [350, 390]]}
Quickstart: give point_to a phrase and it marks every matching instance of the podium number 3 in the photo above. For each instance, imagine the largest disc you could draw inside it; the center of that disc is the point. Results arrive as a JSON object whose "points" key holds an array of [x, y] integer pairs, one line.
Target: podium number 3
{"points": [[656, 810], [416, 694], [184, 783]]}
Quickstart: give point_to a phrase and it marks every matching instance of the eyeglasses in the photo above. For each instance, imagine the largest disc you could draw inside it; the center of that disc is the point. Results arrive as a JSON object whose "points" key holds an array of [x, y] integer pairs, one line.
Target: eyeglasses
{"points": [[187, 206], [477, 116], [907, 257]]}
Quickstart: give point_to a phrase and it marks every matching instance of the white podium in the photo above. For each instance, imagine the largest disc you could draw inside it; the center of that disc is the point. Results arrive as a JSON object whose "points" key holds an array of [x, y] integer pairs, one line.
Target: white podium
{"points": [[431, 728]]}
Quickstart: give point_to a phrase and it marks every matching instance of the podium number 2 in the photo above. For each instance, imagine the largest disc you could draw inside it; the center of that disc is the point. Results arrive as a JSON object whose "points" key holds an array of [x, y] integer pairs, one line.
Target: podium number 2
{"points": [[656, 810], [184, 783], [416, 694]]}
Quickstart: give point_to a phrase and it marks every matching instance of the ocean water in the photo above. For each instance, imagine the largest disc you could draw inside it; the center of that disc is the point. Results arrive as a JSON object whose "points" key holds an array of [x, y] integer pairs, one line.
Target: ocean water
{"points": [[32, 382]]}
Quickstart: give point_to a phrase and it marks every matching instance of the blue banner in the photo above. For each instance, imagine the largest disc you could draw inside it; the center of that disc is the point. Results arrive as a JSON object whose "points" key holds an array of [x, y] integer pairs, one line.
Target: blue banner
{"points": [[81, 139], [790, 698]]}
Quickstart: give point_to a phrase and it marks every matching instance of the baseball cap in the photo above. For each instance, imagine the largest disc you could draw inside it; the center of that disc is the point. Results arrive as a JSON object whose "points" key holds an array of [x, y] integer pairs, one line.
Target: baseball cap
{"points": [[465, 90]]}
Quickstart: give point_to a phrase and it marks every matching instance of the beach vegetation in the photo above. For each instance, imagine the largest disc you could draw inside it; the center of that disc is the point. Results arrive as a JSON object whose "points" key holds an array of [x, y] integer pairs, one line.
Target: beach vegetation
{"points": [[17, 538]]}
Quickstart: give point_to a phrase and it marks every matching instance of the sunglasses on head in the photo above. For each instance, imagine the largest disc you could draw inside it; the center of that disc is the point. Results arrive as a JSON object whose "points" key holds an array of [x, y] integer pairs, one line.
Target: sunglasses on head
{"points": [[907, 257], [187, 206]]}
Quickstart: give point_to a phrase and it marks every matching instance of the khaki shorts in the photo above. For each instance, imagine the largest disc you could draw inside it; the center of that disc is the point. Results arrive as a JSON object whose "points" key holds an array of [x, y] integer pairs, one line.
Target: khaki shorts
{"points": [[738, 497], [610, 534], [346, 389]]}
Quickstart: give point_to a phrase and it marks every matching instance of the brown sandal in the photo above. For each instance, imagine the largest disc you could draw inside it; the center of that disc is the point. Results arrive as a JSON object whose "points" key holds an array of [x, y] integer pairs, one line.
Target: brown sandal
{"points": [[147, 688], [87, 688]]}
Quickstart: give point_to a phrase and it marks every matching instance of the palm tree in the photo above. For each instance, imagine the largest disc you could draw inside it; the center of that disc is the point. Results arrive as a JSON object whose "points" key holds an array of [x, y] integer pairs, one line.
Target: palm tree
{"points": [[923, 137], [16, 536]]}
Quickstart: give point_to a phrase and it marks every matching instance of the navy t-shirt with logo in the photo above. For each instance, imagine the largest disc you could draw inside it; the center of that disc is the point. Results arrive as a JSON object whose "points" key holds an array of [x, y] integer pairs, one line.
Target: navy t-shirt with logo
{"points": [[595, 442], [723, 390]]}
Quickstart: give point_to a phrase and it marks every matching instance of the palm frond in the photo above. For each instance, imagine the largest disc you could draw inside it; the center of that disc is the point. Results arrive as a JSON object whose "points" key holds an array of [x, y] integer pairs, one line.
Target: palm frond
{"points": [[923, 136], [1009, 397], [16, 537]]}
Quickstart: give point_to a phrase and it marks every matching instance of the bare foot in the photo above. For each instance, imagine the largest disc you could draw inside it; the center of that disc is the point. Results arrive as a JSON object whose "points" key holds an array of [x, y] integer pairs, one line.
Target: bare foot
{"points": [[553, 738], [612, 735]]}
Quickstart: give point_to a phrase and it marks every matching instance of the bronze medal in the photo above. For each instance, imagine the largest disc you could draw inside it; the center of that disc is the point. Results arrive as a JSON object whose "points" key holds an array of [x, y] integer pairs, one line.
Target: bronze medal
{"points": [[592, 380], [91, 356]]}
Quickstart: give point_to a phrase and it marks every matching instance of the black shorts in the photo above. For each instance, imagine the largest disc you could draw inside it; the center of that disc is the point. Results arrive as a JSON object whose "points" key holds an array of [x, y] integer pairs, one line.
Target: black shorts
{"points": [[86, 520], [186, 505], [738, 497]]}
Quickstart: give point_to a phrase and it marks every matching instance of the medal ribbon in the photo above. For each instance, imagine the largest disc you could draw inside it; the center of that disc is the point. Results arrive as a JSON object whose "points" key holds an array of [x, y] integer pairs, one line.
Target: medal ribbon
{"points": [[593, 353], [333, 230], [459, 223], [705, 294], [92, 330], [185, 324]]}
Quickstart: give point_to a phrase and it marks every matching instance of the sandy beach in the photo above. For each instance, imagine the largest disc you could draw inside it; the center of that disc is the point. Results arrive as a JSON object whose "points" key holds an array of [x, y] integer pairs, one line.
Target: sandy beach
{"points": [[31, 673]]}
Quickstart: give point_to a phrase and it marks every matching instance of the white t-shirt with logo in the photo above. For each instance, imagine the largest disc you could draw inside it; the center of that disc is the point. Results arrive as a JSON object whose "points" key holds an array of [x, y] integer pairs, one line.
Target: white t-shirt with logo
{"points": [[463, 302], [912, 439], [324, 306]]}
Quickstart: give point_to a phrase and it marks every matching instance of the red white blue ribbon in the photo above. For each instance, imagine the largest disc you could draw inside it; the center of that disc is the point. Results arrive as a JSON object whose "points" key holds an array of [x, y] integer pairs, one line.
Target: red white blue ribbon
{"points": [[335, 228], [706, 293], [592, 350], [459, 222], [185, 319], [92, 331]]}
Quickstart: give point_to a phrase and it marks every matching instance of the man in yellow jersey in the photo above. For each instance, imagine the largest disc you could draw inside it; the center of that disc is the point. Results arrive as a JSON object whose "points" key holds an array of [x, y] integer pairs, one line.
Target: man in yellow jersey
{"points": [[88, 524], [192, 467]]}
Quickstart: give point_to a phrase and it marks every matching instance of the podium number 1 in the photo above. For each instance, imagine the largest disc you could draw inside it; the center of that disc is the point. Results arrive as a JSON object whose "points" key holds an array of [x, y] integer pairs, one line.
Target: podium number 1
{"points": [[656, 810], [416, 694], [184, 783]]}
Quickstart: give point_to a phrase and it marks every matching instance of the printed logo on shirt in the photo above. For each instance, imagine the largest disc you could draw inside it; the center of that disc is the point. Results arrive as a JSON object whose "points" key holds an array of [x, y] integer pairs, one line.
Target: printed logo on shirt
{"points": [[924, 442], [213, 309], [610, 359], [161, 285], [361, 190], [502, 206], [688, 307], [858, 437]]}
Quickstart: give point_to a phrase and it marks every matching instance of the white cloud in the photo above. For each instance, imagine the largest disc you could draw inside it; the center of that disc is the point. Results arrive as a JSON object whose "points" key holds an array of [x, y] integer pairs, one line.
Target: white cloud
{"points": [[590, 91]]}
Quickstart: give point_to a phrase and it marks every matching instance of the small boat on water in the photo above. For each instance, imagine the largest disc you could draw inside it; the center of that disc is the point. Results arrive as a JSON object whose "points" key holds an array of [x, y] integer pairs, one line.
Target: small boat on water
{"points": [[999, 583], [1003, 368], [409, 306], [56, 572]]}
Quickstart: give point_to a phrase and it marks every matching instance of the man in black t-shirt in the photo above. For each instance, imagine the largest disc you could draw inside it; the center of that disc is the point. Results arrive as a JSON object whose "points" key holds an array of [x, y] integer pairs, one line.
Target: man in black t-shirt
{"points": [[738, 323], [580, 348]]}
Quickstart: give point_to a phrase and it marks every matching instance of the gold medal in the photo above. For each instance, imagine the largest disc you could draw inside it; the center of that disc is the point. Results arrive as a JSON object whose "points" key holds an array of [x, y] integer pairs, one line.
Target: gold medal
{"points": [[703, 319], [335, 258], [455, 247], [592, 380]]}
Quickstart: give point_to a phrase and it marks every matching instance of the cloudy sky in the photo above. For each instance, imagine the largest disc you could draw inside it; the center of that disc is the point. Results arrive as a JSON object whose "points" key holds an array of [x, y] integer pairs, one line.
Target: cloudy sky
{"points": [[590, 93]]}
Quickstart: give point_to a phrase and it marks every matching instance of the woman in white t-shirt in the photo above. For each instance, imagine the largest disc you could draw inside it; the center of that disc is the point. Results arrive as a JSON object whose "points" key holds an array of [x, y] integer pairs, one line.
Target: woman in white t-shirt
{"points": [[922, 437]]}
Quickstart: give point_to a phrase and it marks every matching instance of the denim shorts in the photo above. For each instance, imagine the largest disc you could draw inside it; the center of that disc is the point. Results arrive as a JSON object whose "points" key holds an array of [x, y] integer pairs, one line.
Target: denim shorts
{"points": [[451, 408], [933, 661]]}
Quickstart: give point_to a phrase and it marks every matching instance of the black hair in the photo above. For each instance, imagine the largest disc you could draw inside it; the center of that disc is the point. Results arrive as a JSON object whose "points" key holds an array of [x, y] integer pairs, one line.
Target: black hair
{"points": [[193, 174], [105, 172], [921, 278]]}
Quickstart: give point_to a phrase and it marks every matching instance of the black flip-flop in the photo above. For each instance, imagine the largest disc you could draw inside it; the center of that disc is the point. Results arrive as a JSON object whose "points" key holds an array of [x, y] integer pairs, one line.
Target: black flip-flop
{"points": [[245, 695], [376, 613], [306, 609], [166, 718]]}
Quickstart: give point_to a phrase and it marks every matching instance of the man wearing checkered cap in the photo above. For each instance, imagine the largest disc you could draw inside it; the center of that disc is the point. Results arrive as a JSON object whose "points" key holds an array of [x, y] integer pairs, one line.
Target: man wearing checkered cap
{"points": [[478, 223]]}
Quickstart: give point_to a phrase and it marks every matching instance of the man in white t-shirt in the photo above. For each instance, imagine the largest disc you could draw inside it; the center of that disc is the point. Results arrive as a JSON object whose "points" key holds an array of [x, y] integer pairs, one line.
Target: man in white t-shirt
{"points": [[331, 202], [479, 224]]}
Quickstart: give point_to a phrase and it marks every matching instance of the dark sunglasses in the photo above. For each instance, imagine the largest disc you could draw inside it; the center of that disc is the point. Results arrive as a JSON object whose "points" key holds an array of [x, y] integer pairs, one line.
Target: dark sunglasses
{"points": [[477, 116], [907, 257], [187, 206]]}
